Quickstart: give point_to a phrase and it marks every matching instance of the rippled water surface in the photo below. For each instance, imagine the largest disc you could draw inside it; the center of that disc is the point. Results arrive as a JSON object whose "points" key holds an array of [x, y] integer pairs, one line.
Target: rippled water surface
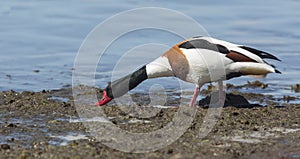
{"points": [[39, 40]]}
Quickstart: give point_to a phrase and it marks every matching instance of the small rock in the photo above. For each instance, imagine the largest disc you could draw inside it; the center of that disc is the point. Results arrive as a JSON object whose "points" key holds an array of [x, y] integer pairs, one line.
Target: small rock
{"points": [[231, 100], [11, 140], [296, 88], [11, 125], [36, 71], [288, 98], [5, 147], [170, 151], [53, 121], [256, 84], [11, 101], [235, 113], [9, 76], [176, 156]]}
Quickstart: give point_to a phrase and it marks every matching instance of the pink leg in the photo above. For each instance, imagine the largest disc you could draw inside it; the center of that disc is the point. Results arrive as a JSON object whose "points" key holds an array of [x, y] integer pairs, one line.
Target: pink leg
{"points": [[221, 93], [196, 93]]}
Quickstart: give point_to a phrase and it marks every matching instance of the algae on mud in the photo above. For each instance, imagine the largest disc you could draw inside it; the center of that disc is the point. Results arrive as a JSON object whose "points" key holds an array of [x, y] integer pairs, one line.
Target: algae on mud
{"points": [[32, 121]]}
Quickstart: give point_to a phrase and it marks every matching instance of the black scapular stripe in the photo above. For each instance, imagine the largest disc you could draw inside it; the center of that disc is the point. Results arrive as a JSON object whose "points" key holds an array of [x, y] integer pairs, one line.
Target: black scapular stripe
{"points": [[260, 53], [123, 85], [204, 44]]}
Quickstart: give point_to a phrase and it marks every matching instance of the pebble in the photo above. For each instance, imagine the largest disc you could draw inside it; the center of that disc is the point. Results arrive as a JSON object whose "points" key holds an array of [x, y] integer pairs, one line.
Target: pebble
{"points": [[5, 147], [11, 125], [36, 71]]}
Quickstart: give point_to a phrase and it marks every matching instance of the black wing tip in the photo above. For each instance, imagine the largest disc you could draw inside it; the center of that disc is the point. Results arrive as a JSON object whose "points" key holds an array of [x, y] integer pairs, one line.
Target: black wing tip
{"points": [[276, 71], [275, 58], [261, 54], [269, 56]]}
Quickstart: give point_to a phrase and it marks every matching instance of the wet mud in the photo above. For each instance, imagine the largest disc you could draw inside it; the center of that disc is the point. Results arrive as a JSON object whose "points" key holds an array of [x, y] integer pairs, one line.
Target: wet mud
{"points": [[46, 125]]}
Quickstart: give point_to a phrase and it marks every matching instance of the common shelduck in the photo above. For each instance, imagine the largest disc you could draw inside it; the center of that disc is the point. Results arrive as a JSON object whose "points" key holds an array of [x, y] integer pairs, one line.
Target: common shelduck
{"points": [[198, 60]]}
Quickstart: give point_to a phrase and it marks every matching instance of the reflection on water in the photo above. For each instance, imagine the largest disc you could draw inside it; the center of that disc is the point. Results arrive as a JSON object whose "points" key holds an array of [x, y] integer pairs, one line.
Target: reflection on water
{"points": [[39, 39]]}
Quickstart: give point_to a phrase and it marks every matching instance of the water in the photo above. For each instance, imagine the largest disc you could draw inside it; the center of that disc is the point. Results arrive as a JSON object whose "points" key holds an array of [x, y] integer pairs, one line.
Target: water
{"points": [[39, 39], [66, 139]]}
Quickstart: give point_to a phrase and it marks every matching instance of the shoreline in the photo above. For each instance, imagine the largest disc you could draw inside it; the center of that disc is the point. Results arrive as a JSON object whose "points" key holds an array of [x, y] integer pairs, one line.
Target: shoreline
{"points": [[46, 125]]}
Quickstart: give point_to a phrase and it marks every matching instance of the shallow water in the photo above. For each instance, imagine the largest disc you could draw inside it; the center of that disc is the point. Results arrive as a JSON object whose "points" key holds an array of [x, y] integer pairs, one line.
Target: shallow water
{"points": [[39, 40]]}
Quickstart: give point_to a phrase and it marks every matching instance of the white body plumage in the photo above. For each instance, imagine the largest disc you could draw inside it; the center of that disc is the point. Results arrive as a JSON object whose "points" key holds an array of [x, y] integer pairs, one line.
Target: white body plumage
{"points": [[198, 60]]}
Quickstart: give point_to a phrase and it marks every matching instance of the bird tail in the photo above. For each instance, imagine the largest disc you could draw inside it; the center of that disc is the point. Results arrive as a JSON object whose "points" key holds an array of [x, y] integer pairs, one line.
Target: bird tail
{"points": [[250, 68]]}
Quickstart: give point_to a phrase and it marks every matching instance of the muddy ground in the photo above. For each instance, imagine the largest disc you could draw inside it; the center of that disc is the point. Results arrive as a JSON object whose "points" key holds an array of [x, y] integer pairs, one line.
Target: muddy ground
{"points": [[46, 125]]}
